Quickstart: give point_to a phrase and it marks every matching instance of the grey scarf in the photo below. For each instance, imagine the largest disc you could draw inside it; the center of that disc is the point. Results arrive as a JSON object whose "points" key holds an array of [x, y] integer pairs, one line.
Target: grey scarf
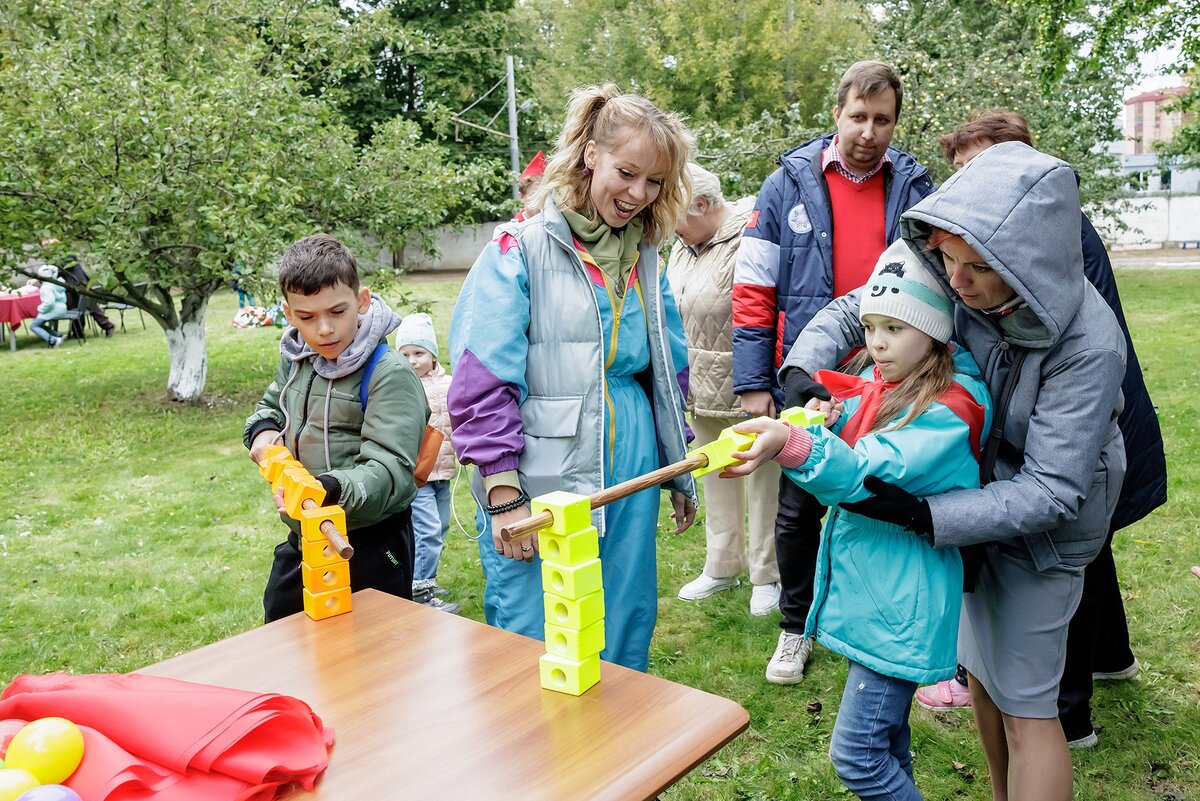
{"points": [[377, 323]]}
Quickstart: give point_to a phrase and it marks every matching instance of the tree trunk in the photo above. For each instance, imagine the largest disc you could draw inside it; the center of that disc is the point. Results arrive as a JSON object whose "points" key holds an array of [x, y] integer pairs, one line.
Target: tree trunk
{"points": [[189, 360]]}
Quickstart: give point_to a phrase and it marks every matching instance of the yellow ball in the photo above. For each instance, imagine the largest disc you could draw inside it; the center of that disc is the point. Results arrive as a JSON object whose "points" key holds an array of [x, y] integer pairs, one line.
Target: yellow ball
{"points": [[14, 783], [49, 748]]}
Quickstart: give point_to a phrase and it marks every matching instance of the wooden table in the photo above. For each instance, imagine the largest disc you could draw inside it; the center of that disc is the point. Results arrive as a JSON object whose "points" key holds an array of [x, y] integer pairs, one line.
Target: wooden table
{"points": [[428, 705], [14, 309]]}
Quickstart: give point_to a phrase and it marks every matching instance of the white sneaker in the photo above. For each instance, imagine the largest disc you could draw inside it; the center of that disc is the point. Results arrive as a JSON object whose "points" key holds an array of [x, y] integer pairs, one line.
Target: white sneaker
{"points": [[791, 654], [1119, 675], [705, 586], [764, 598]]}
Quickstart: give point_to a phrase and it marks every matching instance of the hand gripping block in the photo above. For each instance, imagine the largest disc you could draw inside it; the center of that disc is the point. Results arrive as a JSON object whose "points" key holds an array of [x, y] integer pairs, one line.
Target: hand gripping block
{"points": [[801, 417], [571, 512], [272, 453], [311, 520], [574, 613], [328, 577], [318, 554], [277, 470], [320, 605], [571, 582], [573, 549], [565, 676], [299, 487], [572, 644], [719, 453]]}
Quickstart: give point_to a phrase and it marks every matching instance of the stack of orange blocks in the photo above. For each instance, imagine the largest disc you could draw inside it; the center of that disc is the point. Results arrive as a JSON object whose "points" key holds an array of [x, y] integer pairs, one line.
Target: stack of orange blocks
{"points": [[325, 574]]}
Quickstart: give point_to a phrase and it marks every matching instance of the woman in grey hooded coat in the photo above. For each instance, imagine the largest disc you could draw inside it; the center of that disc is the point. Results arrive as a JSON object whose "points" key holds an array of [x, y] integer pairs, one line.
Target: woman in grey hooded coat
{"points": [[1003, 234]]}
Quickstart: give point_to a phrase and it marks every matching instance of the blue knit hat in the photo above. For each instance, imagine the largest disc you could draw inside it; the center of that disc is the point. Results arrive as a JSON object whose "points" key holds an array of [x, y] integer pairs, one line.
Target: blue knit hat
{"points": [[417, 329]]}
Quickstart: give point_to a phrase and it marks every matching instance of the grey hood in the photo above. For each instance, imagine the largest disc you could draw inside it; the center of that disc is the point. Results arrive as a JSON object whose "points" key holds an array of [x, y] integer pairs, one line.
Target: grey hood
{"points": [[1019, 210]]}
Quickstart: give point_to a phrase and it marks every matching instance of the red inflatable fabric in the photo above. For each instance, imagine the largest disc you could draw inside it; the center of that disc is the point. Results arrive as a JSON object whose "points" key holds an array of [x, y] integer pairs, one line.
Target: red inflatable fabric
{"points": [[147, 737]]}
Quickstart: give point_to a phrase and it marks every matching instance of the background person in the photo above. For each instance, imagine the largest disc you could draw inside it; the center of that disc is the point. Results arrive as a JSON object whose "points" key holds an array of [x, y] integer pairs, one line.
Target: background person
{"points": [[417, 342], [528, 184], [73, 275], [570, 366], [701, 274], [820, 222], [52, 307]]}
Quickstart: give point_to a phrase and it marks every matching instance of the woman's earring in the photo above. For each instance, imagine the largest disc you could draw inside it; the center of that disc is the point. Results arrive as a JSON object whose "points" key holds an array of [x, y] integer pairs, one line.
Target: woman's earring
{"points": [[585, 171]]}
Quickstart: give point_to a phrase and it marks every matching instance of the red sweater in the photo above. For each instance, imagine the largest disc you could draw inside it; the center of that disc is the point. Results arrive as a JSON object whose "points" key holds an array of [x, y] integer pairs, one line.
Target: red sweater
{"points": [[859, 234]]}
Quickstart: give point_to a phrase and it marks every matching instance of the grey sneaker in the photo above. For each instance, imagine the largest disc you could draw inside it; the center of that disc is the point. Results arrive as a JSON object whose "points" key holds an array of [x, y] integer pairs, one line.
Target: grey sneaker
{"points": [[54, 343], [434, 602], [1118, 675], [791, 655], [1089, 741]]}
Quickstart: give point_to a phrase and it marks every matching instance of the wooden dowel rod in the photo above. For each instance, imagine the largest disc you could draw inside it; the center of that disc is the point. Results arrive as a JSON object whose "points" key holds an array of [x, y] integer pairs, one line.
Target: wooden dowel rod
{"points": [[523, 528], [336, 540]]}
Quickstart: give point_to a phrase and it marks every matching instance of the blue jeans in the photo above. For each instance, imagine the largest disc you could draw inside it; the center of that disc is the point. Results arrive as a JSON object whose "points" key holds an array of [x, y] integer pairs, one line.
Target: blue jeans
{"points": [[871, 739], [431, 523], [38, 326]]}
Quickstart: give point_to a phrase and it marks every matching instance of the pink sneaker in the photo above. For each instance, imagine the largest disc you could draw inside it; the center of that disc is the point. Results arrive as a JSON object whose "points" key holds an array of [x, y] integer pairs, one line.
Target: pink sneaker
{"points": [[944, 695]]}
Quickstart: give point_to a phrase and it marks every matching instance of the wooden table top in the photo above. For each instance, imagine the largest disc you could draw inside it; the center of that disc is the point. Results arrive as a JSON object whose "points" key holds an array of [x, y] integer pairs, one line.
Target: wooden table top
{"points": [[429, 705]]}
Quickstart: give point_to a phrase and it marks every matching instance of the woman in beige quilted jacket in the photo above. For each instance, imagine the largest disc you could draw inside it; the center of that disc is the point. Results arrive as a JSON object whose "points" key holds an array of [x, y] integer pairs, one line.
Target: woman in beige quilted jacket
{"points": [[701, 274]]}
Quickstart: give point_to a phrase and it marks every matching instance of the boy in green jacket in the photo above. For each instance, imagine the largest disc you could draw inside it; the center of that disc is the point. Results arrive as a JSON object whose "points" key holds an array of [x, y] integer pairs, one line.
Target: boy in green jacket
{"points": [[361, 446]]}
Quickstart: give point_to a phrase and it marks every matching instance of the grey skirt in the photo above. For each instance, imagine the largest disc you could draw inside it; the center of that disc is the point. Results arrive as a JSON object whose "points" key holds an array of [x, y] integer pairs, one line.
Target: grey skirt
{"points": [[1012, 635]]}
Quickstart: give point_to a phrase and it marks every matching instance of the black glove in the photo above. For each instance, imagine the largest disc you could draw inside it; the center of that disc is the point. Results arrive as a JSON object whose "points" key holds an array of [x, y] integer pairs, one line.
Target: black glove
{"points": [[893, 505], [799, 388], [333, 490]]}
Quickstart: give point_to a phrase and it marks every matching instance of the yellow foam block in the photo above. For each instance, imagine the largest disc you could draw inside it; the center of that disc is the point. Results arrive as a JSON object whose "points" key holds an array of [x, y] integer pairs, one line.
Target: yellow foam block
{"points": [[719, 453], [565, 676], [571, 512], [574, 613], [311, 520], [743, 441], [272, 453], [320, 605], [573, 549], [572, 644], [278, 467], [299, 487], [574, 581], [318, 554], [332, 576], [798, 416]]}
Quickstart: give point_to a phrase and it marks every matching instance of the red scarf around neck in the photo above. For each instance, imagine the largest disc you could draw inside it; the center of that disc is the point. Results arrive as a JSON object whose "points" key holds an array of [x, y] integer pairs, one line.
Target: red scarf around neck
{"points": [[843, 386]]}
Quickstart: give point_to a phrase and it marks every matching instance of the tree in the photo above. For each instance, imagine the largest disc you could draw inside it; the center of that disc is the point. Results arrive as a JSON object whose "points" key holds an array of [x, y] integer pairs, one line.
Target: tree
{"points": [[956, 56], [168, 140], [708, 59]]}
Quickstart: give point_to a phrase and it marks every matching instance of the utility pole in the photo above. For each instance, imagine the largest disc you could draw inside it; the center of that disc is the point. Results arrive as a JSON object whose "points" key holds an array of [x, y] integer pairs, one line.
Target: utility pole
{"points": [[513, 148]]}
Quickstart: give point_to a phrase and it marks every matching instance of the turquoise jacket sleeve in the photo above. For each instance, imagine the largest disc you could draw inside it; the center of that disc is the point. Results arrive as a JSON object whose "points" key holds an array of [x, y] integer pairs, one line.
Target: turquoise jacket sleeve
{"points": [[928, 456], [678, 339]]}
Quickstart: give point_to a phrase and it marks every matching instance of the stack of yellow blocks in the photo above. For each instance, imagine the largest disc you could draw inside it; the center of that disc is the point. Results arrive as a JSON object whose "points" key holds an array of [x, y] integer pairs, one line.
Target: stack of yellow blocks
{"points": [[574, 598], [325, 574]]}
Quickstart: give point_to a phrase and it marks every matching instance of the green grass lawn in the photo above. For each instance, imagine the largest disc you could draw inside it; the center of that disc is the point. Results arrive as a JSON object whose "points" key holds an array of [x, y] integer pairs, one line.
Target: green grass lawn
{"points": [[134, 529]]}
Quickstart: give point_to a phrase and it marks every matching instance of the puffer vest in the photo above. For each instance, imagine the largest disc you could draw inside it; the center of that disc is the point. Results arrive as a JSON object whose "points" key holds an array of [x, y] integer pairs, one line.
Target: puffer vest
{"points": [[563, 414]]}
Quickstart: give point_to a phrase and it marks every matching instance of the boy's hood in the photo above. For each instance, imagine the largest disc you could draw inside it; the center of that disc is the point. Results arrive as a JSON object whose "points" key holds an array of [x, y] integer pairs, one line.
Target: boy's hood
{"points": [[377, 323], [1019, 209]]}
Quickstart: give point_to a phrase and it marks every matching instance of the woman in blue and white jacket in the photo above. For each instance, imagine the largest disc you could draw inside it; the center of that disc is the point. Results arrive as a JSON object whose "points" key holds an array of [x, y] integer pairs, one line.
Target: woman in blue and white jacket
{"points": [[885, 598]]}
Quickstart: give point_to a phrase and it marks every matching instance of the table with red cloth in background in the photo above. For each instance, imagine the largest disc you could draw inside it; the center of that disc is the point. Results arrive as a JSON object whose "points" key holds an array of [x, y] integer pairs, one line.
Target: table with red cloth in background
{"points": [[14, 309]]}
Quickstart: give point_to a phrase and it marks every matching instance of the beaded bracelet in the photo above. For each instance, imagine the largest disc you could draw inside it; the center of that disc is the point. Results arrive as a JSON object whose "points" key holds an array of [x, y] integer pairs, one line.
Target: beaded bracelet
{"points": [[507, 506]]}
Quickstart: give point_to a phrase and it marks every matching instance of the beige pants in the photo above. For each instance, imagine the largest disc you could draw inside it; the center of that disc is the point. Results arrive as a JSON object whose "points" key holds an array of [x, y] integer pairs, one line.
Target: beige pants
{"points": [[725, 508]]}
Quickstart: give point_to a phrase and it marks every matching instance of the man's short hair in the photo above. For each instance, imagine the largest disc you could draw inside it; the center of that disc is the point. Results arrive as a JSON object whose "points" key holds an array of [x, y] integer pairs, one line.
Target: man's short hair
{"points": [[316, 262], [994, 125], [867, 79]]}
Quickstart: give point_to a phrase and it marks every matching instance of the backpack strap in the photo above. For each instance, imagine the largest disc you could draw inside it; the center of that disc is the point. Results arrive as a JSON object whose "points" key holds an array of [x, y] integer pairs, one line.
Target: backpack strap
{"points": [[369, 370]]}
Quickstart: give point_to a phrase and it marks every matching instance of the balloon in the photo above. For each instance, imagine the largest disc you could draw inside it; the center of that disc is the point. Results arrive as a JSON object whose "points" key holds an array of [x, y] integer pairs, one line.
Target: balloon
{"points": [[49, 748], [50, 792], [14, 782], [8, 730]]}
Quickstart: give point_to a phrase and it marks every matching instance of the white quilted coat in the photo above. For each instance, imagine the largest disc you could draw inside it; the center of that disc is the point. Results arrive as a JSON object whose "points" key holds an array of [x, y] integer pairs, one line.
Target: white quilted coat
{"points": [[436, 384], [703, 285]]}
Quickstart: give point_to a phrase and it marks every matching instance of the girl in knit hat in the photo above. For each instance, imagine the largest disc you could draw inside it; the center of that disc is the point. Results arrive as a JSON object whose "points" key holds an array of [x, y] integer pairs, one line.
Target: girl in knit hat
{"points": [[885, 598], [417, 342]]}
